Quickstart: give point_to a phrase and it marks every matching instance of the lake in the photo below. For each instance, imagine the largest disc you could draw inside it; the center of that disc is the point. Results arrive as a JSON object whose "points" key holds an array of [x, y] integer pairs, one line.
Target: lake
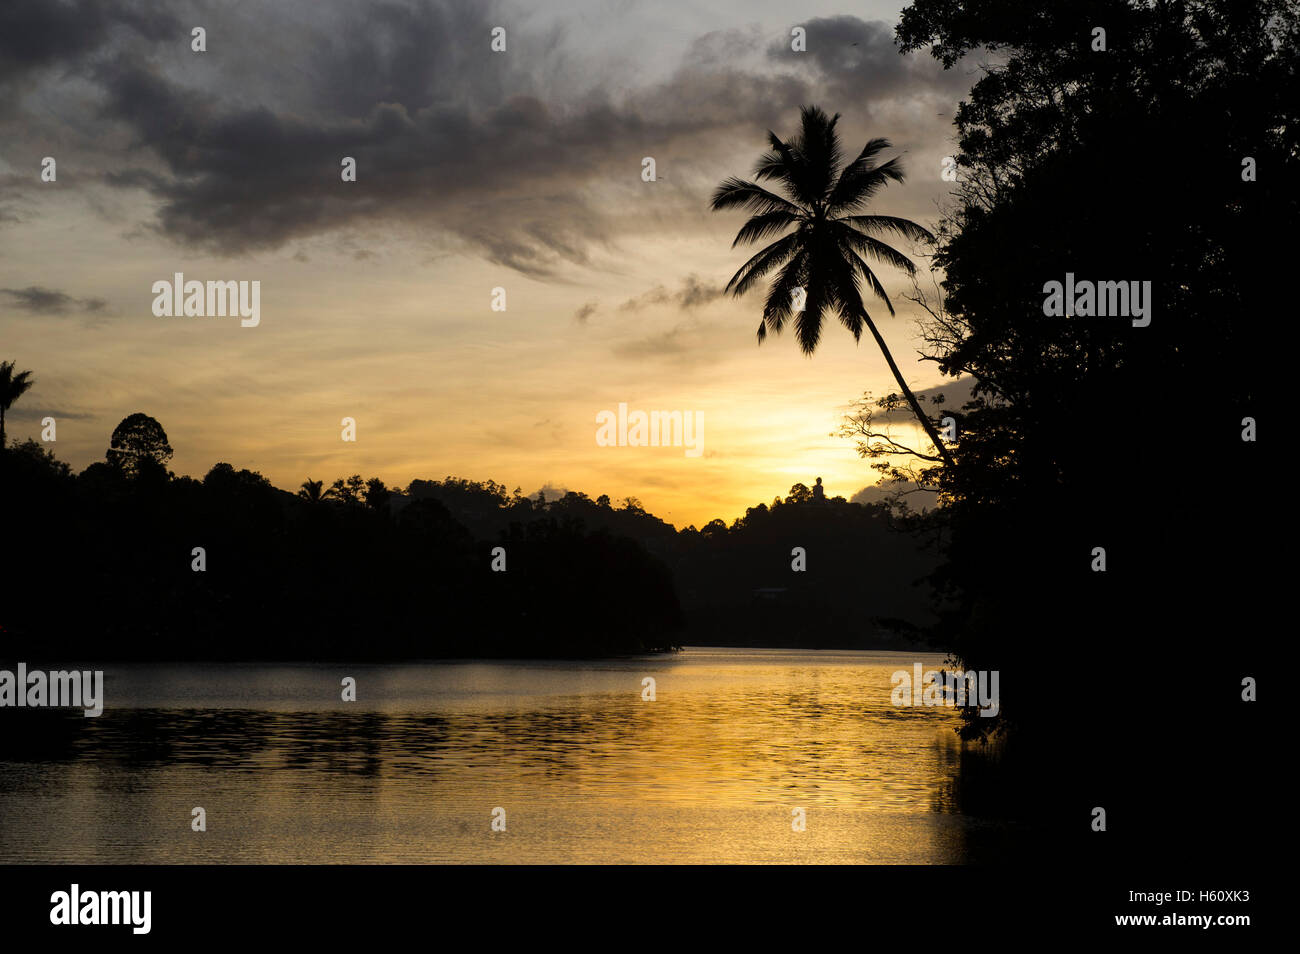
{"points": [[584, 769]]}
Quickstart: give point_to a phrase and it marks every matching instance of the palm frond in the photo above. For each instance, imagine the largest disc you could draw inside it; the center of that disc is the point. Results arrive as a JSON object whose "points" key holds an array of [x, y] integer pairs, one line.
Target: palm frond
{"points": [[862, 269], [777, 308], [13, 386], [856, 187], [762, 226], [852, 311], [886, 224], [866, 245], [737, 193], [789, 166], [769, 258], [819, 144]]}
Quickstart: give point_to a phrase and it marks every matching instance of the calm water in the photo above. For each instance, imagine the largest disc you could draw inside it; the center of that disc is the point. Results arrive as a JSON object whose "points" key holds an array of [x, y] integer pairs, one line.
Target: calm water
{"points": [[411, 772]]}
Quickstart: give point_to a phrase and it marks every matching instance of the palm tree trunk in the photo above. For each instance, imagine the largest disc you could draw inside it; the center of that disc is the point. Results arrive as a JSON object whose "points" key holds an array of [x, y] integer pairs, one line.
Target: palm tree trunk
{"points": [[911, 398]]}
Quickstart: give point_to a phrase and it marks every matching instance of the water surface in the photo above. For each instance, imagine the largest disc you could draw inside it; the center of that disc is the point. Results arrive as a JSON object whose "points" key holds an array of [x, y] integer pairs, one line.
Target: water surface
{"points": [[585, 769]]}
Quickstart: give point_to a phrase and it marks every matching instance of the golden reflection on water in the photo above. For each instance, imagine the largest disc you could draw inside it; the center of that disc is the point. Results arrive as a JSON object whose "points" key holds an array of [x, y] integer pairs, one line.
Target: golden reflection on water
{"points": [[585, 769]]}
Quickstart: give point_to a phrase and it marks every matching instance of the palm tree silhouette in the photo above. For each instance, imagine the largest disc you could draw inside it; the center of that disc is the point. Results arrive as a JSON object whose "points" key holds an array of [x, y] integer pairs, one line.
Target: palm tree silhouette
{"points": [[311, 490], [823, 256], [12, 387]]}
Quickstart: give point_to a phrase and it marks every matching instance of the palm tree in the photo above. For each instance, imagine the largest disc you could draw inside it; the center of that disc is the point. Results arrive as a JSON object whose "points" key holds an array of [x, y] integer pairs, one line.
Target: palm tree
{"points": [[12, 387], [823, 256], [311, 490]]}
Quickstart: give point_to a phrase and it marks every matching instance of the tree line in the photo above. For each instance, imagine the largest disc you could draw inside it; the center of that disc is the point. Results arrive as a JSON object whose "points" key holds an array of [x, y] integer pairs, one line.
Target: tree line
{"points": [[144, 563]]}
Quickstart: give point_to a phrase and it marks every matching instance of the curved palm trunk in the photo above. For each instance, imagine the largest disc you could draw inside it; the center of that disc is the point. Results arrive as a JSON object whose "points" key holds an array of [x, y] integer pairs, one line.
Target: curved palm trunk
{"points": [[911, 398]]}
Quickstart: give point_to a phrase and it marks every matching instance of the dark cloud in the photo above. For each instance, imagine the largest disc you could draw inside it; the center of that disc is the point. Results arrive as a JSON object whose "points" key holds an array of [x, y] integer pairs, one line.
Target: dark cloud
{"points": [[585, 312], [683, 342], [35, 34], [695, 293], [692, 294], [954, 394], [28, 413], [492, 150], [916, 498], [49, 301], [851, 57], [659, 295]]}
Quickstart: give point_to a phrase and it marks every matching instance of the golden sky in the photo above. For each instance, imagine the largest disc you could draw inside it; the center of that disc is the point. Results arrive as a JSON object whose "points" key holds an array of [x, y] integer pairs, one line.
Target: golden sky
{"points": [[522, 172]]}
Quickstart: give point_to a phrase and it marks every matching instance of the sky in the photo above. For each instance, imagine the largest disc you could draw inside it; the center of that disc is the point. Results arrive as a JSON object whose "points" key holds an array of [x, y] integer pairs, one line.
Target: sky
{"points": [[476, 170]]}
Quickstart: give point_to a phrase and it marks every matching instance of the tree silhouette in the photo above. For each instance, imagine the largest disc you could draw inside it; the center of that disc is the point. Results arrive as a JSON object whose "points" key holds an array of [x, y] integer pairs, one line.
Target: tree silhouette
{"points": [[1043, 477], [138, 444], [377, 494], [349, 491], [799, 493], [12, 387], [823, 256], [311, 490]]}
